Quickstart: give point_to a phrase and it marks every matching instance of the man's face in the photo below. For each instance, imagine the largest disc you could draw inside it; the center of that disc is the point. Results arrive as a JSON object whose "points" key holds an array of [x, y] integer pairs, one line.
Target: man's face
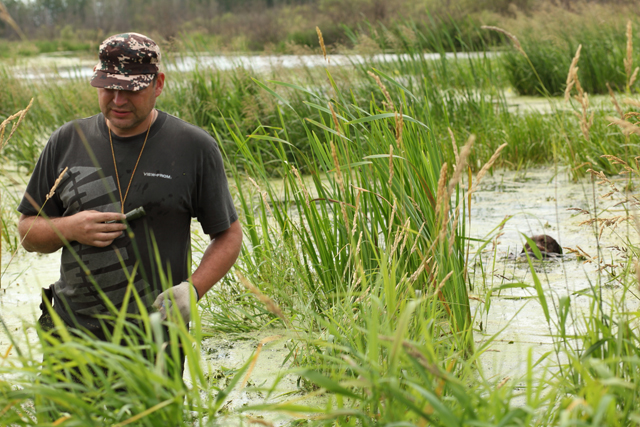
{"points": [[128, 112]]}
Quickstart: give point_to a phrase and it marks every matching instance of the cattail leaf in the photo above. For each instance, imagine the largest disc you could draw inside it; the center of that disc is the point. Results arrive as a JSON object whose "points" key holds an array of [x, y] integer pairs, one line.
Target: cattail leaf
{"points": [[386, 116], [395, 83], [536, 281], [534, 248], [328, 129], [294, 86], [273, 93]]}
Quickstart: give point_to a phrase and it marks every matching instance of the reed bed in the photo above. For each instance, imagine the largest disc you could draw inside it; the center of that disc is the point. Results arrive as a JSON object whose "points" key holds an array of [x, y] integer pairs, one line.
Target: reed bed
{"points": [[354, 198]]}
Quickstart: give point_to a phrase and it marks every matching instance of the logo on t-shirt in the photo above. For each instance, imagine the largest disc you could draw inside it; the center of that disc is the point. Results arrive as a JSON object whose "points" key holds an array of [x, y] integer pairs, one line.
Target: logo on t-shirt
{"points": [[157, 175]]}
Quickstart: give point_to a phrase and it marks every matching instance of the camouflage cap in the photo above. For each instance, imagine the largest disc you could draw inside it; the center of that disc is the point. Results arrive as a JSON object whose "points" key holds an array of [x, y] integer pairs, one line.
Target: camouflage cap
{"points": [[128, 61]]}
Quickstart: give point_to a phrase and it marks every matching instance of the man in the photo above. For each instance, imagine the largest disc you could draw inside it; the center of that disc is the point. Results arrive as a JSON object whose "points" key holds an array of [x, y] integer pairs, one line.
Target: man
{"points": [[129, 156]]}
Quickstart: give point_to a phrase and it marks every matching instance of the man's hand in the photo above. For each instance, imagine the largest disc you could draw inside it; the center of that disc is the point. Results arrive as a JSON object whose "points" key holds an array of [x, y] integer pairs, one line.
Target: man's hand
{"points": [[181, 296], [91, 228], [39, 234]]}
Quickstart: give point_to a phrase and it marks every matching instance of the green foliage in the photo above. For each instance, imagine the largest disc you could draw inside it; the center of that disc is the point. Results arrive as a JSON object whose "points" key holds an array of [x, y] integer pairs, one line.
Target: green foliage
{"points": [[601, 60]]}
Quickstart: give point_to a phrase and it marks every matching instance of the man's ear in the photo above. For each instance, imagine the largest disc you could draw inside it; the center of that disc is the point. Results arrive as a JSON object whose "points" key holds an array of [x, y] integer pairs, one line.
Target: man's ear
{"points": [[159, 84]]}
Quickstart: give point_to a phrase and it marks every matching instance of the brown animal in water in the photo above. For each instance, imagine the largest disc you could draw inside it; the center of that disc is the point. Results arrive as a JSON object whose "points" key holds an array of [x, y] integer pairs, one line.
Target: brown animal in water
{"points": [[546, 244]]}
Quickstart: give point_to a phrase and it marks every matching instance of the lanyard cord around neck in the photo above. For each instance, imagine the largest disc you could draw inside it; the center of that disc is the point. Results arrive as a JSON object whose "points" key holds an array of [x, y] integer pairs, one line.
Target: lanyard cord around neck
{"points": [[122, 200]]}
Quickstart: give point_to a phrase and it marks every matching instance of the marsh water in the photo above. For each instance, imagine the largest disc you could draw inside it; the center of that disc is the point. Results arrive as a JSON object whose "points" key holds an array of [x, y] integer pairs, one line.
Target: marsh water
{"points": [[65, 66], [507, 205]]}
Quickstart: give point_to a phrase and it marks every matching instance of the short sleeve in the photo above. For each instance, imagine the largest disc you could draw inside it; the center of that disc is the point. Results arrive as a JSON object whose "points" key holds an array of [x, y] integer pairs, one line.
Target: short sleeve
{"points": [[40, 184], [214, 205]]}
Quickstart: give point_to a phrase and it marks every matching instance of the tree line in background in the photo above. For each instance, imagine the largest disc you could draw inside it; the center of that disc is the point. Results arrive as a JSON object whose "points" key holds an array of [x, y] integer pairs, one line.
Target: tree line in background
{"points": [[264, 25], [246, 24]]}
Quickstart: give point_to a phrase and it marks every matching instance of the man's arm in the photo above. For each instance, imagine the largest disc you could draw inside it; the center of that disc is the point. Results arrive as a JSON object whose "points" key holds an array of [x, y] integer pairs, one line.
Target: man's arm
{"points": [[39, 234], [218, 258]]}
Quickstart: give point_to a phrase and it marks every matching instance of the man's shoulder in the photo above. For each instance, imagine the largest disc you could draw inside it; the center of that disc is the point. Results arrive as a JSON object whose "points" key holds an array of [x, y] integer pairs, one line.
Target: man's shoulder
{"points": [[193, 132]]}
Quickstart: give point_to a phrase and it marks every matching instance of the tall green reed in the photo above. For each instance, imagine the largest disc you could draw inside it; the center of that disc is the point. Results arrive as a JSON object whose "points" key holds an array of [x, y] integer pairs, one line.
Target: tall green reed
{"points": [[378, 201]]}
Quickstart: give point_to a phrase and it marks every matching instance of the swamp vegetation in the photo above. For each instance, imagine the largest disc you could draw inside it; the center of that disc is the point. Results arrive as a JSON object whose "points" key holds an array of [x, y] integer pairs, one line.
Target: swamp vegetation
{"points": [[355, 187]]}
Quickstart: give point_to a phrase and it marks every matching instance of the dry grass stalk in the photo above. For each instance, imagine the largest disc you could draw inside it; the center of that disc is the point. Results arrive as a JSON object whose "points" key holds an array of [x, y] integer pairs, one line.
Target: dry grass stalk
{"points": [[394, 208], [586, 120], [361, 297], [602, 223], [260, 421], [615, 101], [400, 233], [441, 195], [345, 217], [56, 183], [461, 163], [419, 270], [414, 352], [384, 90], [355, 214], [263, 194], [618, 161], [335, 118], [632, 102], [20, 116], [254, 359], [407, 228], [307, 198], [442, 283], [322, 46], [580, 254], [503, 382], [634, 76], [4, 16], [356, 277], [271, 306], [638, 273], [454, 145], [454, 226], [417, 239], [626, 127], [572, 76], [628, 61], [486, 167], [511, 37]]}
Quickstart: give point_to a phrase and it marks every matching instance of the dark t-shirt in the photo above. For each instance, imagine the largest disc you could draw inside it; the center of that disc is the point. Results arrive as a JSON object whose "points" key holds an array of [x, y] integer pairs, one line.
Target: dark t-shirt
{"points": [[180, 175]]}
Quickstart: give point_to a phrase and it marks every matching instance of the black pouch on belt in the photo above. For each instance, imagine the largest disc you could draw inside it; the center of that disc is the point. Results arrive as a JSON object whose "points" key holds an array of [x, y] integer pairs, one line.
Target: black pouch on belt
{"points": [[45, 321]]}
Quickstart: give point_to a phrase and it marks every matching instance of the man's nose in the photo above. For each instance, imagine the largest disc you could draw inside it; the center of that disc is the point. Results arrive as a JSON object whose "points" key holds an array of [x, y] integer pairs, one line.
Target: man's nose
{"points": [[119, 98]]}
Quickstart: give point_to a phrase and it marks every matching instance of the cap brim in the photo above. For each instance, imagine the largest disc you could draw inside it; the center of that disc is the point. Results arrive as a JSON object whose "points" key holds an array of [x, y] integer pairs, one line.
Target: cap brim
{"points": [[105, 80]]}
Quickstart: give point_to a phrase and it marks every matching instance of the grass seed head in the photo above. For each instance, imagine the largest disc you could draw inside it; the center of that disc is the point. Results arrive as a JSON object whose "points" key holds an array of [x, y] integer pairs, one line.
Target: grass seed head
{"points": [[634, 76], [322, 46], [271, 306], [572, 75], [453, 144], [615, 101], [626, 127], [335, 118], [56, 184], [384, 90], [20, 116], [487, 166], [514, 39]]}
